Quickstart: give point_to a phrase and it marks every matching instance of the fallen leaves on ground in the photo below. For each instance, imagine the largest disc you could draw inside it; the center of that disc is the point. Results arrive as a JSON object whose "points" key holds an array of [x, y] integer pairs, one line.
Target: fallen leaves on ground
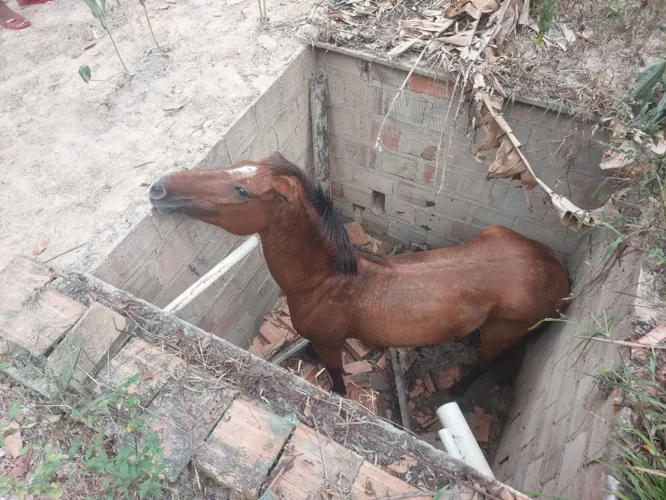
{"points": [[13, 441], [20, 466], [42, 244]]}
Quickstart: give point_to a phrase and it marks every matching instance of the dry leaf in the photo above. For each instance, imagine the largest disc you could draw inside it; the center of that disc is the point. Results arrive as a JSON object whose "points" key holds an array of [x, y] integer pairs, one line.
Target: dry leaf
{"points": [[511, 164], [659, 148], [13, 441], [20, 465], [525, 14], [490, 142], [584, 33], [472, 7], [401, 48], [509, 20], [656, 336], [568, 33], [462, 39], [42, 243], [507, 164], [402, 465]]}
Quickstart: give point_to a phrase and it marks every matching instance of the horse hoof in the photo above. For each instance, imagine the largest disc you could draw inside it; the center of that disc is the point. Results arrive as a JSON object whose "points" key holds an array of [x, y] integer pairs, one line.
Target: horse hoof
{"points": [[340, 390]]}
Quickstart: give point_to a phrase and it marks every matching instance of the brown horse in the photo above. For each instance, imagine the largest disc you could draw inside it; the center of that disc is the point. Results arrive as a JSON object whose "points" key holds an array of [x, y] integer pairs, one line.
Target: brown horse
{"points": [[501, 282]]}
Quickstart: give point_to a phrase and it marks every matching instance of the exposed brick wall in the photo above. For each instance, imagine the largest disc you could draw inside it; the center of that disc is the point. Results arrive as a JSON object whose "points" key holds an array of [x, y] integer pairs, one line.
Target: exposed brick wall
{"points": [[561, 419], [403, 169], [164, 255]]}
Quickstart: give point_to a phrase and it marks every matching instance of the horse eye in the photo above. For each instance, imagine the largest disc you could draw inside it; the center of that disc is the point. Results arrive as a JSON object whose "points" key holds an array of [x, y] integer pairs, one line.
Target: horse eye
{"points": [[241, 192]]}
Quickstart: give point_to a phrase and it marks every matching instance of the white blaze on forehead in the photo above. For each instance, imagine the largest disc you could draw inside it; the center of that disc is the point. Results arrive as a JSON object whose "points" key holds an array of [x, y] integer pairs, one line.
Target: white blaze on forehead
{"points": [[244, 171]]}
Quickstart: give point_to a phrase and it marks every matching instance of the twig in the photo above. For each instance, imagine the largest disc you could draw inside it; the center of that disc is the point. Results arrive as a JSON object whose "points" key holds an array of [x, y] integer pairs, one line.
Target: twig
{"points": [[150, 26], [143, 164], [321, 449], [66, 252], [622, 342], [115, 47], [400, 388], [646, 471], [416, 494], [395, 98], [393, 8]]}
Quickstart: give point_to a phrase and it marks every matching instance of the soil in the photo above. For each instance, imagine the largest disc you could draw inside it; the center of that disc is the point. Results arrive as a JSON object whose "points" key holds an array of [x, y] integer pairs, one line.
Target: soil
{"points": [[76, 158]]}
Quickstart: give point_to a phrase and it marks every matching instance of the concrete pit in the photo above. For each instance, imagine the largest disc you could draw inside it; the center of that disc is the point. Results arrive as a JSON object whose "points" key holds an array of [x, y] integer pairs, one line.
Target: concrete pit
{"points": [[550, 417]]}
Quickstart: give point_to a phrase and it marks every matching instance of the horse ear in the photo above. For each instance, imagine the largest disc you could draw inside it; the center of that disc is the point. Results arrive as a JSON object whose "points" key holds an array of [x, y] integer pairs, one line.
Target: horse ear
{"points": [[285, 187]]}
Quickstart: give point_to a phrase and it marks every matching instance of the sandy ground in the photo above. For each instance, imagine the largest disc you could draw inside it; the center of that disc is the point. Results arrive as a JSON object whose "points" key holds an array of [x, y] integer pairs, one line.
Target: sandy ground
{"points": [[76, 158]]}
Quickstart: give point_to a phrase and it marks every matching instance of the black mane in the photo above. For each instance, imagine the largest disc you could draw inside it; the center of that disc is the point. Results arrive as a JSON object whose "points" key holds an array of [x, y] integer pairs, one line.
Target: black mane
{"points": [[332, 230]]}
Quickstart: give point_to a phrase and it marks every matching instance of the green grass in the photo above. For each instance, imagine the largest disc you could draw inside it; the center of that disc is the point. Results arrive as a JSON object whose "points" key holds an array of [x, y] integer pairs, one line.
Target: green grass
{"points": [[641, 465]]}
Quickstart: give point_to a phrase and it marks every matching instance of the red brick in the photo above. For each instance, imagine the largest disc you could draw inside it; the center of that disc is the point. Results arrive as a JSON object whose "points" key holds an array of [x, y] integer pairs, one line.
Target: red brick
{"points": [[336, 190], [429, 172], [389, 136], [426, 85]]}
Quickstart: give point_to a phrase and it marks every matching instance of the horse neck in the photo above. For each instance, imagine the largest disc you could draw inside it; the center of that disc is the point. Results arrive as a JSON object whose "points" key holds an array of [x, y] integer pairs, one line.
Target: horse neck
{"points": [[296, 254]]}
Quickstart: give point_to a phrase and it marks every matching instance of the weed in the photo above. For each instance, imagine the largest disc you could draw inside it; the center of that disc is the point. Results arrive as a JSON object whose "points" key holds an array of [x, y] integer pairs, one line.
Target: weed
{"points": [[137, 466], [641, 464], [150, 26], [129, 461], [546, 17], [98, 11]]}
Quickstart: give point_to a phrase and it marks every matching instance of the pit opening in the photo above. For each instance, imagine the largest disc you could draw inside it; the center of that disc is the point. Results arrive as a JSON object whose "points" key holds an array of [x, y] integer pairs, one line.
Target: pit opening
{"points": [[542, 433]]}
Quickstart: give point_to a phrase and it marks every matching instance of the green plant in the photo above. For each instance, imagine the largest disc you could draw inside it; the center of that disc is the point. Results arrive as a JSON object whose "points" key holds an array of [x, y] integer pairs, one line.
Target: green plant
{"points": [[150, 26], [98, 12], [130, 460], [546, 17], [641, 463], [41, 482], [137, 465], [650, 80]]}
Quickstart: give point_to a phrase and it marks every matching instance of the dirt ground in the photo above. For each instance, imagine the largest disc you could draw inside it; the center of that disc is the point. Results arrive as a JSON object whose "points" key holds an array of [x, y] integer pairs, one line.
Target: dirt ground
{"points": [[76, 158]]}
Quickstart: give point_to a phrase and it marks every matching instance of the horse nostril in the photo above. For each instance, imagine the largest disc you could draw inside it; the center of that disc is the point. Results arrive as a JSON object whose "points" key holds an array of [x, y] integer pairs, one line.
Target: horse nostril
{"points": [[157, 192]]}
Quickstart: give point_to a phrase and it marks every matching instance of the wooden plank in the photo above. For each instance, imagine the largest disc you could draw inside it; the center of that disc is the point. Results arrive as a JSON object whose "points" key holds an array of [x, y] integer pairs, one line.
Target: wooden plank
{"points": [[319, 116], [154, 365], [93, 340], [243, 447], [373, 483], [31, 316], [309, 475], [185, 411]]}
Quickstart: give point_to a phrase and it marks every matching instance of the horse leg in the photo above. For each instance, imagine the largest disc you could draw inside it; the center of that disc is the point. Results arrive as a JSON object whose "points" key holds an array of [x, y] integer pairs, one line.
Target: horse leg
{"points": [[496, 337], [332, 359]]}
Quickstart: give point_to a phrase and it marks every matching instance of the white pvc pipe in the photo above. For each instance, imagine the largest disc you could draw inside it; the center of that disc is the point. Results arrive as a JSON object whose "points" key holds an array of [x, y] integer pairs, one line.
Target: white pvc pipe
{"points": [[180, 302], [446, 437], [453, 419]]}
